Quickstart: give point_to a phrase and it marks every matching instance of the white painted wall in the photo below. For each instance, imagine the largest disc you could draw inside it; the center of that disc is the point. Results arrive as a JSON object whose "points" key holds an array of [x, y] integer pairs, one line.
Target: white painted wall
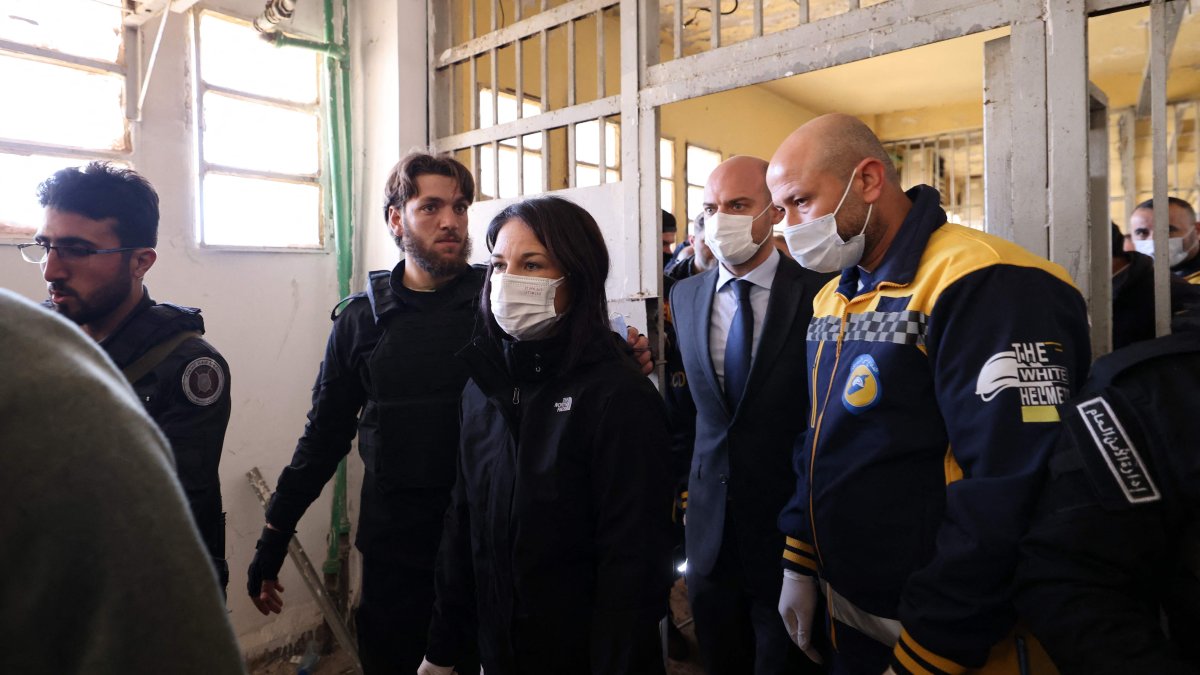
{"points": [[389, 81], [268, 313]]}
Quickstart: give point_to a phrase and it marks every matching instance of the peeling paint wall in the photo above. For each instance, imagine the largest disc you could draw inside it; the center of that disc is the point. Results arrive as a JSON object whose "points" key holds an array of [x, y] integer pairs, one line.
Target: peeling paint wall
{"points": [[268, 313]]}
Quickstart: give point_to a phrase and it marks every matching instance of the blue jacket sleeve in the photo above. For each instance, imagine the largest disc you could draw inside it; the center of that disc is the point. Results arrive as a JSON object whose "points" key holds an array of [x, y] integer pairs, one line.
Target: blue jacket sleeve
{"points": [[798, 552], [1007, 344]]}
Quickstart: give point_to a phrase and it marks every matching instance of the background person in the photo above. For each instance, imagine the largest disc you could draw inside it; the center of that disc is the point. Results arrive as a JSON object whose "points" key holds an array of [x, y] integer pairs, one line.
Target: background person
{"points": [[95, 248], [740, 328], [556, 552], [937, 360], [101, 569]]}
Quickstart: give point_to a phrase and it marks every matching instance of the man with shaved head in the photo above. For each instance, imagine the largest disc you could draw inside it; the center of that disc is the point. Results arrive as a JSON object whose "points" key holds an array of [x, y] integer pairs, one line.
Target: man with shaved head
{"points": [[740, 329], [937, 361]]}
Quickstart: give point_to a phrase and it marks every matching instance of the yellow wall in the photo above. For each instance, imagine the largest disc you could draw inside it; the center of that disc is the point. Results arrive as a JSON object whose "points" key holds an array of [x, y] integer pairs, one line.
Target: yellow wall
{"points": [[747, 121]]}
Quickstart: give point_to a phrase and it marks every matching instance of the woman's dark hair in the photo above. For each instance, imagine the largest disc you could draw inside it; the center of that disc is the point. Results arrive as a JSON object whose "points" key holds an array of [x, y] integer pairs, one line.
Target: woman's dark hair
{"points": [[573, 240]]}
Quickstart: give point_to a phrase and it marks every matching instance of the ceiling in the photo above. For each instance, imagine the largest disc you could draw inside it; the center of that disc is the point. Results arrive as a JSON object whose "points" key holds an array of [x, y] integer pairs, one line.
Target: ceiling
{"points": [[950, 72]]}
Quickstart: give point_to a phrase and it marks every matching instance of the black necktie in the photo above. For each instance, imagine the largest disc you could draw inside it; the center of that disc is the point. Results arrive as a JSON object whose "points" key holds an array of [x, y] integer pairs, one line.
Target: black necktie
{"points": [[737, 348]]}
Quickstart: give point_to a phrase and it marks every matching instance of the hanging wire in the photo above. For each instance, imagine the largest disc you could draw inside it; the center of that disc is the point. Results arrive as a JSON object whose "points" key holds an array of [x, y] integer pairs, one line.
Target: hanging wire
{"points": [[696, 13]]}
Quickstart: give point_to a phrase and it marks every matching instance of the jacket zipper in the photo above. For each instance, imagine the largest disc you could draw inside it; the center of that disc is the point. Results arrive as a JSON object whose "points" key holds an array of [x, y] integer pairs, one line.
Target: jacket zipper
{"points": [[516, 399], [812, 460]]}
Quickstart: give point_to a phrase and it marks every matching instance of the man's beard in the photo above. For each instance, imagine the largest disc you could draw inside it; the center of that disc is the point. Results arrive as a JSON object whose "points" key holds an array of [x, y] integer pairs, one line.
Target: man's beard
{"points": [[103, 302], [438, 265]]}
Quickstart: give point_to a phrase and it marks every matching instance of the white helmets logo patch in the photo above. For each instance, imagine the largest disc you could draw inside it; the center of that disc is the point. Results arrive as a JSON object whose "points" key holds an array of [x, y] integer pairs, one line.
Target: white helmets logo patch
{"points": [[203, 381]]}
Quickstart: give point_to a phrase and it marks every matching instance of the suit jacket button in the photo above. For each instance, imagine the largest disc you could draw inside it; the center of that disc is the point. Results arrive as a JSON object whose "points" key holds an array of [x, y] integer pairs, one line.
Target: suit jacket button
{"points": [[724, 479]]}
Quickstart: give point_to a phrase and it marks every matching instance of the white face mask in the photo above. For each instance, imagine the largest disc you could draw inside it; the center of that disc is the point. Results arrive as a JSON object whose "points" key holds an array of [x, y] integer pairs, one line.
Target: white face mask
{"points": [[524, 306], [731, 237], [817, 244], [1175, 251]]}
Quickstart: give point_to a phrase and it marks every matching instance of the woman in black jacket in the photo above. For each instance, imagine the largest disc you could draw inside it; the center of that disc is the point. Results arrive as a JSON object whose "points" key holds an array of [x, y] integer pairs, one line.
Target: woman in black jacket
{"points": [[556, 551]]}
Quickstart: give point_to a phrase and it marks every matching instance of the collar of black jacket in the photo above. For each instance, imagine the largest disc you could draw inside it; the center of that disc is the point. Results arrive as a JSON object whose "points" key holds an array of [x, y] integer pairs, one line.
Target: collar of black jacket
{"points": [[385, 289], [149, 324], [899, 265], [497, 365]]}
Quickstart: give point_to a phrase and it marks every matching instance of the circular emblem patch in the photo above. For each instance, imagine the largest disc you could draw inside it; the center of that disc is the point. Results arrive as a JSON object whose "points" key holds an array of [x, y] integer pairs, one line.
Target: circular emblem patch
{"points": [[862, 387], [203, 381]]}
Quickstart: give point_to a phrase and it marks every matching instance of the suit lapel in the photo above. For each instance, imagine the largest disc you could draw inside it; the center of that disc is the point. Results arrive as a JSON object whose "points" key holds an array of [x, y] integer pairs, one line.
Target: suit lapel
{"points": [[782, 306], [704, 305]]}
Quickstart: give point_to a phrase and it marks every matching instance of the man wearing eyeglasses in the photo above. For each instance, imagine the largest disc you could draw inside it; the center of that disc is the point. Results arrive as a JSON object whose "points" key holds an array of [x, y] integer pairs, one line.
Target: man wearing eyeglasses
{"points": [[95, 248]]}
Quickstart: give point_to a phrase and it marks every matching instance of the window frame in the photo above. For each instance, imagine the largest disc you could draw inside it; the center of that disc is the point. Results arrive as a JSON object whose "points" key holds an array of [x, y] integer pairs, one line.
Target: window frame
{"points": [[70, 154], [616, 168], [688, 185], [201, 167], [509, 143], [666, 176]]}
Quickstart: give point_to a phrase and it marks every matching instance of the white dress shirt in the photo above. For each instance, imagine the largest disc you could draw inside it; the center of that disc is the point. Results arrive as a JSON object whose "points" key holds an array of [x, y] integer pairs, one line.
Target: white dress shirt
{"points": [[725, 306]]}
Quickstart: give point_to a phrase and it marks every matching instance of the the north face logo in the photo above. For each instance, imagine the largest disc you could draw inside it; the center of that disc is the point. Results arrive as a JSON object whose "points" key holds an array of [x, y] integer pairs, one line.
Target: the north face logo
{"points": [[563, 405]]}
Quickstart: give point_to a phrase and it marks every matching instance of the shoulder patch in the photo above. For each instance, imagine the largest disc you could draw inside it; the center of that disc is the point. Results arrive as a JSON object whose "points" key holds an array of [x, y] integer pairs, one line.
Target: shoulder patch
{"points": [[1038, 373], [1118, 451], [203, 381]]}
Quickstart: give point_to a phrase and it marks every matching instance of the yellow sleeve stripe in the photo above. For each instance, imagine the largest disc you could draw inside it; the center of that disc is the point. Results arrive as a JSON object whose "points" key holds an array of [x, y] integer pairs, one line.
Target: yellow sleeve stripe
{"points": [[793, 557], [684, 494], [799, 545], [911, 666], [940, 663]]}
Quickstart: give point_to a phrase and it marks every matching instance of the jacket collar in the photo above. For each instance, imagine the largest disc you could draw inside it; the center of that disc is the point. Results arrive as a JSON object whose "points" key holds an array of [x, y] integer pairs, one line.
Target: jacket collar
{"points": [[385, 290], [899, 265]]}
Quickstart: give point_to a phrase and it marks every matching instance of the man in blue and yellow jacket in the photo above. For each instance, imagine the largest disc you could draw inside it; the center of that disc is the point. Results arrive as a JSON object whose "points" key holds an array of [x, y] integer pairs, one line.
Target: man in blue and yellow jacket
{"points": [[936, 362]]}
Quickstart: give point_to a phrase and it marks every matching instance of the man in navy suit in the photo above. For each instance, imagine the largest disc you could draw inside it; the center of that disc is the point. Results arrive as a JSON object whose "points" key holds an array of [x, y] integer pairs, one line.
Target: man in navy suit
{"points": [[741, 329]]}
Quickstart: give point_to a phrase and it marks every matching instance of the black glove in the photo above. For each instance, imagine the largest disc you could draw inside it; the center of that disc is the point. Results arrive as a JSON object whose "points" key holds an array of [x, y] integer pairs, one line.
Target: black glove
{"points": [[271, 549]]}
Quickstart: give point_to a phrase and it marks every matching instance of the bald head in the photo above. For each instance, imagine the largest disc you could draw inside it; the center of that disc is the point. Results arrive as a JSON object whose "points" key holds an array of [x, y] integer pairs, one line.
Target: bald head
{"points": [[835, 165], [738, 187], [833, 144], [741, 176]]}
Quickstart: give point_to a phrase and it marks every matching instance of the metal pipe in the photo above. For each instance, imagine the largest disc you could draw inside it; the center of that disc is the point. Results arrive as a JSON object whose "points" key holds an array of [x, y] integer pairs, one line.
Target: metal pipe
{"points": [[329, 49], [276, 12]]}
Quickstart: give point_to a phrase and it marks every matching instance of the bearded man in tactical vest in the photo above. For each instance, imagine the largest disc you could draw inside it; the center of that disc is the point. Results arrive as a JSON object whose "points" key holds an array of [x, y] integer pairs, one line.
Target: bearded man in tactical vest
{"points": [[95, 247]]}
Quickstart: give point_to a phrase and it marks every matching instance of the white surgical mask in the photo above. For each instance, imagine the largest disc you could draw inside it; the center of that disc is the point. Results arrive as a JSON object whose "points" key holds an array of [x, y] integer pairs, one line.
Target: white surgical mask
{"points": [[524, 306], [1175, 251], [817, 244], [731, 237]]}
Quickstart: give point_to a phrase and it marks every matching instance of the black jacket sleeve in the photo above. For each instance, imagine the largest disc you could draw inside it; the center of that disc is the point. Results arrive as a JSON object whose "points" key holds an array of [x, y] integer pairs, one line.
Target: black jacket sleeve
{"points": [[1085, 578], [631, 492], [1111, 555], [338, 397], [455, 620], [195, 430]]}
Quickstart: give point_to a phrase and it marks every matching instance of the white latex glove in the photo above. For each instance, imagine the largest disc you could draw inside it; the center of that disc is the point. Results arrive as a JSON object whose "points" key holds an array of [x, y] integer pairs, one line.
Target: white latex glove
{"points": [[797, 604], [427, 668]]}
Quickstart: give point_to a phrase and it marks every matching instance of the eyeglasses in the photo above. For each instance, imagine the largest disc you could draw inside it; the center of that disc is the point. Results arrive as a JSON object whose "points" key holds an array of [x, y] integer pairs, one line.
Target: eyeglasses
{"points": [[37, 252]]}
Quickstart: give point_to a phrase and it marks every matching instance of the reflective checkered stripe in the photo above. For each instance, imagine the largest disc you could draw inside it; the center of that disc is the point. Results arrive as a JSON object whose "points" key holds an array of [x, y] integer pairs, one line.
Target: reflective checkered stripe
{"points": [[824, 329], [901, 328]]}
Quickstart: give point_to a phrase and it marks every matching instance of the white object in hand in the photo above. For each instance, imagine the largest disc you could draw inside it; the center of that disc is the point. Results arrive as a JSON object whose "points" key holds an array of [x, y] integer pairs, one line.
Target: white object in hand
{"points": [[797, 604]]}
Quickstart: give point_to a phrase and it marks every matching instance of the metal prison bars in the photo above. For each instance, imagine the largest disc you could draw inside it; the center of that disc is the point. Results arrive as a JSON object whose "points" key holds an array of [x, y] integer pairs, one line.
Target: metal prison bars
{"points": [[1049, 185], [953, 163], [448, 90]]}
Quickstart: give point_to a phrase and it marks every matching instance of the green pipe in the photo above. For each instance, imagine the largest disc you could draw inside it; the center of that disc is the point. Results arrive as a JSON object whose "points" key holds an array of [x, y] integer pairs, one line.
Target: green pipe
{"points": [[329, 49], [336, 77]]}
